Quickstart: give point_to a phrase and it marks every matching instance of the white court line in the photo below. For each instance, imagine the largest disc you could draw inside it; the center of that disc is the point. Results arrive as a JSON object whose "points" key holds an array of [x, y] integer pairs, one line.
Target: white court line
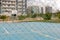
{"points": [[45, 35], [6, 30]]}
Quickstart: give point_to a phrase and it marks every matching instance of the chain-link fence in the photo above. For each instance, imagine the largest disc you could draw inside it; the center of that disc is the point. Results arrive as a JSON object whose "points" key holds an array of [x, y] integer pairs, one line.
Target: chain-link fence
{"points": [[30, 31], [41, 22]]}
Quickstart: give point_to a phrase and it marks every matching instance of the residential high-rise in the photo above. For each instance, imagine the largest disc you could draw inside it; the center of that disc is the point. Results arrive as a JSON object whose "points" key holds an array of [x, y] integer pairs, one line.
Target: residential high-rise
{"points": [[33, 9], [22, 6], [48, 9], [7, 6], [42, 10], [0, 6]]}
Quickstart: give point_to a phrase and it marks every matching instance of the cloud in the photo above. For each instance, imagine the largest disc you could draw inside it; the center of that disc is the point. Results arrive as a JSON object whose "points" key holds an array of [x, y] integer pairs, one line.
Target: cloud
{"points": [[53, 3]]}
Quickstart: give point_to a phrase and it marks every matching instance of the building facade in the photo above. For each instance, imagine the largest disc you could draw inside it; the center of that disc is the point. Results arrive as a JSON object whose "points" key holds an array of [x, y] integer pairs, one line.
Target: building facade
{"points": [[7, 6], [33, 9], [42, 10], [22, 6], [0, 6], [48, 9]]}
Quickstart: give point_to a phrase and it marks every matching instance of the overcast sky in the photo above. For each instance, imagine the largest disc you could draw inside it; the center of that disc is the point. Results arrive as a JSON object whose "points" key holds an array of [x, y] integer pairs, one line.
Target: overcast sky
{"points": [[54, 3]]}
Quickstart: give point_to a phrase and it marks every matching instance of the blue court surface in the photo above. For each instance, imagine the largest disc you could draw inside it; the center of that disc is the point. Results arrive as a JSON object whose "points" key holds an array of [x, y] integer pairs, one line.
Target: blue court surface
{"points": [[30, 31]]}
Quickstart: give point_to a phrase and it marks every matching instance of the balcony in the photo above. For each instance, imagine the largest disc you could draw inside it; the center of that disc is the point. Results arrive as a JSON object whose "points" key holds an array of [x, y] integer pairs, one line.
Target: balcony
{"points": [[8, 3]]}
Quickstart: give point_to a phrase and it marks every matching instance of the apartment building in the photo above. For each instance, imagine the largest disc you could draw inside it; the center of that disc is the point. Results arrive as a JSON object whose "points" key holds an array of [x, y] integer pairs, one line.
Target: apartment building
{"points": [[7, 6], [48, 9], [42, 10], [33, 9], [22, 6], [0, 6]]}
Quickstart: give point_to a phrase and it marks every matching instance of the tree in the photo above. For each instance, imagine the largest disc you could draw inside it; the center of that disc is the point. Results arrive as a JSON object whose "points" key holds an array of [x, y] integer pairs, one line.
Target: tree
{"points": [[21, 17], [47, 16], [3, 17], [58, 15], [34, 16]]}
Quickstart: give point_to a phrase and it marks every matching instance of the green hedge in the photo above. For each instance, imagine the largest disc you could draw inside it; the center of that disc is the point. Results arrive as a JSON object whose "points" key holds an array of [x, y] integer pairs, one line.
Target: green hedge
{"points": [[58, 15], [3, 17], [47, 16], [34, 16], [21, 17]]}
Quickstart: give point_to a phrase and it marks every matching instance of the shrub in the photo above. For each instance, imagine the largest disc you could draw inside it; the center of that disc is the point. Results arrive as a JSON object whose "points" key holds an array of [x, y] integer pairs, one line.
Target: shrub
{"points": [[21, 17], [58, 15], [3, 17], [40, 15], [34, 16], [47, 16], [29, 14]]}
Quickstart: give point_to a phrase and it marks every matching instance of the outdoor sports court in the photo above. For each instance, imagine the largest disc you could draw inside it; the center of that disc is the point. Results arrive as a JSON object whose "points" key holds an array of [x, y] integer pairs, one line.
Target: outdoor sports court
{"points": [[30, 31]]}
